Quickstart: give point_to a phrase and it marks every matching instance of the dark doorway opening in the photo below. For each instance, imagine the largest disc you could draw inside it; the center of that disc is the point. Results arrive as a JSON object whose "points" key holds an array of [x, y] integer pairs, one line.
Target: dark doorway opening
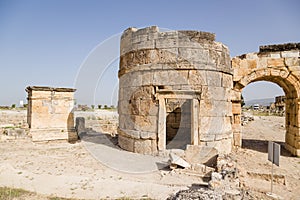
{"points": [[178, 123]]}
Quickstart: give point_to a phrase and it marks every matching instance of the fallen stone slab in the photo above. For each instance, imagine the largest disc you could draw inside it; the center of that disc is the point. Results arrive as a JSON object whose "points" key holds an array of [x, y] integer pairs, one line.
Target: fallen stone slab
{"points": [[201, 155], [176, 160]]}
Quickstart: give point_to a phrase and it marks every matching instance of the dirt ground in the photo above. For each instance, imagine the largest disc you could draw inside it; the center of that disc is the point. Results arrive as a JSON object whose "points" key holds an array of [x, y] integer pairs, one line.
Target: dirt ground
{"points": [[254, 165], [72, 171]]}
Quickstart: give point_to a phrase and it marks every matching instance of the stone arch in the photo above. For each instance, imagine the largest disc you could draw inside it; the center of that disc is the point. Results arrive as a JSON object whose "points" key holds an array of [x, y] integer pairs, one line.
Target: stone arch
{"points": [[280, 67]]}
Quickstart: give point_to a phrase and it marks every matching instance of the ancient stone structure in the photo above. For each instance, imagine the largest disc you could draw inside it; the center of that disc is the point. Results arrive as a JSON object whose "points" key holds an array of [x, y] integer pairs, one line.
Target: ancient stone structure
{"points": [[49, 113], [279, 64], [174, 91], [280, 103]]}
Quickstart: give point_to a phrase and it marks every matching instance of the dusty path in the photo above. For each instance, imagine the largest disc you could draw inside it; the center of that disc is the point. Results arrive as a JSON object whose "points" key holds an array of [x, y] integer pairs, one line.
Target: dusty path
{"points": [[252, 158]]}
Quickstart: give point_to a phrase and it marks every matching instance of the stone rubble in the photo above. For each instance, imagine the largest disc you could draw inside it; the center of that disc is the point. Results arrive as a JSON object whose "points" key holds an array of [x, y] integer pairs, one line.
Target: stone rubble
{"points": [[246, 118]]}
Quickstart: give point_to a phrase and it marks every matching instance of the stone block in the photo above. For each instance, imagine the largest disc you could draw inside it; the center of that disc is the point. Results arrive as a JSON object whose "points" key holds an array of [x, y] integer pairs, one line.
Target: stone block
{"points": [[200, 154], [227, 81], [133, 80], [170, 77], [164, 43], [123, 107], [148, 124], [237, 139], [235, 95], [290, 54], [236, 108], [275, 62], [290, 62], [217, 93], [294, 69], [185, 42], [206, 137], [214, 78], [126, 143], [197, 77], [148, 135], [142, 146], [275, 55], [126, 122], [193, 54], [215, 108], [147, 78]]}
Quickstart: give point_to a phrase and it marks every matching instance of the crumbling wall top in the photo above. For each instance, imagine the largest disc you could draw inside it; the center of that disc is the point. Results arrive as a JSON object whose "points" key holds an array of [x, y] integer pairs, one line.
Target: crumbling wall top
{"points": [[155, 29], [44, 88], [279, 47]]}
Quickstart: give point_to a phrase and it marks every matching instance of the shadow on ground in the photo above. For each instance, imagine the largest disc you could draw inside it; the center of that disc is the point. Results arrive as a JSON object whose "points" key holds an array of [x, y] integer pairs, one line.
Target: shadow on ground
{"points": [[262, 146], [105, 149]]}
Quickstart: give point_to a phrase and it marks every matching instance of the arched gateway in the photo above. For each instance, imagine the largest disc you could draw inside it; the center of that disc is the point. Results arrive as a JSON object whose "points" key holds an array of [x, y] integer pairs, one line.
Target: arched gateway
{"points": [[279, 64]]}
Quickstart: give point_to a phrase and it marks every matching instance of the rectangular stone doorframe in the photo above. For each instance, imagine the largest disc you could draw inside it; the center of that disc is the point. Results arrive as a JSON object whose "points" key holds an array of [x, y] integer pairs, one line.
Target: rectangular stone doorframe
{"points": [[162, 96]]}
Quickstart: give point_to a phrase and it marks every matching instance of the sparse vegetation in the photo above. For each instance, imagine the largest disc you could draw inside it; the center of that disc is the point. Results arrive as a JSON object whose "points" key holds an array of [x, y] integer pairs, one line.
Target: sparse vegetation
{"points": [[11, 193], [7, 193]]}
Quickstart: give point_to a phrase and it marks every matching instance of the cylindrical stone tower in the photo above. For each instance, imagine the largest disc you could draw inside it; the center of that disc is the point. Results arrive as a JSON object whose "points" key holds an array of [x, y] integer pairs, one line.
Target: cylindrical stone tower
{"points": [[174, 91]]}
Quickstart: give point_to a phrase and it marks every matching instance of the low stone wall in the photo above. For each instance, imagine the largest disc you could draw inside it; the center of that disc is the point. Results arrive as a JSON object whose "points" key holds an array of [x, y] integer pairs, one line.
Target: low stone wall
{"points": [[102, 121], [13, 123]]}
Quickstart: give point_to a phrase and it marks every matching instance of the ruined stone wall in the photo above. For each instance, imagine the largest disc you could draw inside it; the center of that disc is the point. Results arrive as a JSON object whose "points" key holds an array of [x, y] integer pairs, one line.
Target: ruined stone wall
{"points": [[49, 113], [279, 64], [159, 66]]}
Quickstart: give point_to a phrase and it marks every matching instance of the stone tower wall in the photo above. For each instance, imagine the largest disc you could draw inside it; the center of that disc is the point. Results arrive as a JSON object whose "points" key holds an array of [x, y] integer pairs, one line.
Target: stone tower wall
{"points": [[156, 67]]}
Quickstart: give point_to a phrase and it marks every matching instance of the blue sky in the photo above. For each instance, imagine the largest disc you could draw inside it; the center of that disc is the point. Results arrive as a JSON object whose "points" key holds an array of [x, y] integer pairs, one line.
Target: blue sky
{"points": [[46, 42]]}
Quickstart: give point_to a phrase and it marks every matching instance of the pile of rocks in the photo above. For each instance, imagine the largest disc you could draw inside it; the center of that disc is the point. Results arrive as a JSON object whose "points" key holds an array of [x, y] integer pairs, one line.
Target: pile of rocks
{"points": [[224, 183], [208, 194]]}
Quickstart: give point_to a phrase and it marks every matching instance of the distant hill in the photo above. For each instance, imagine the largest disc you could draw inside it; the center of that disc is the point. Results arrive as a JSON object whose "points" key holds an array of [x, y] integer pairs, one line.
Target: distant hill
{"points": [[261, 102]]}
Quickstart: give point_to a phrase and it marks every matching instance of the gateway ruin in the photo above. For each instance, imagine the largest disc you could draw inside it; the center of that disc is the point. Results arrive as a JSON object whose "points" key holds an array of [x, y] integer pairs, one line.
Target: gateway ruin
{"points": [[180, 88]]}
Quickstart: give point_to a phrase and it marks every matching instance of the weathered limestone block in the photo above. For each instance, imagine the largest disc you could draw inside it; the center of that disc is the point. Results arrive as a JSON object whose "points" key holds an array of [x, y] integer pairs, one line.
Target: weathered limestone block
{"points": [[275, 62], [143, 146], [290, 54], [197, 77], [148, 135], [126, 143], [50, 115], [214, 78], [215, 108]]}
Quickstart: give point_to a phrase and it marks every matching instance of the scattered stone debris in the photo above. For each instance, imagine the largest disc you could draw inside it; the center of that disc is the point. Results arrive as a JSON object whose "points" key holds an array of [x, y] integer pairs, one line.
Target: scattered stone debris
{"points": [[246, 118], [205, 193], [224, 184]]}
